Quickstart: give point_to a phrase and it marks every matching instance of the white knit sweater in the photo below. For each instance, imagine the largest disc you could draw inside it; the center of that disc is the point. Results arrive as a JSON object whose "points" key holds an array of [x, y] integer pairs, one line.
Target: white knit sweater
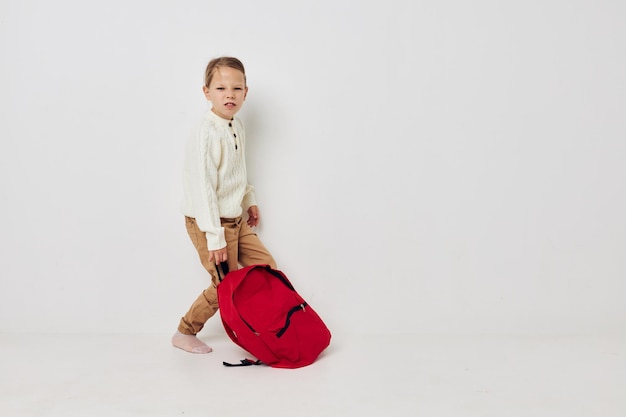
{"points": [[215, 180]]}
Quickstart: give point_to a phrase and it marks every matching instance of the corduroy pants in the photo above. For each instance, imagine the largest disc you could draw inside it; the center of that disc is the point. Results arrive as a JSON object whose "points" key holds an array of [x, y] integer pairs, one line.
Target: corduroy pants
{"points": [[244, 248]]}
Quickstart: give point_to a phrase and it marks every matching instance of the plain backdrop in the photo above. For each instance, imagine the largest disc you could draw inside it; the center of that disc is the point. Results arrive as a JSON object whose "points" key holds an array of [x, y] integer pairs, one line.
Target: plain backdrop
{"points": [[420, 166]]}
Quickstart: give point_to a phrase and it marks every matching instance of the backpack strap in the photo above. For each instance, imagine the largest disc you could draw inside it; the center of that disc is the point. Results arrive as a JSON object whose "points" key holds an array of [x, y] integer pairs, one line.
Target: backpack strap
{"points": [[244, 362]]}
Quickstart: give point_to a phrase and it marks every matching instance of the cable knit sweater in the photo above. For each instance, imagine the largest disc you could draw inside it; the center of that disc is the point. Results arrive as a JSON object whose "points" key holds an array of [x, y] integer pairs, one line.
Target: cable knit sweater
{"points": [[214, 176]]}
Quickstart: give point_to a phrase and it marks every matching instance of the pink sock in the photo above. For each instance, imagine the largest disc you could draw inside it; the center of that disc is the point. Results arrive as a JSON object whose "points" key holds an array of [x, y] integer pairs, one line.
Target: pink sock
{"points": [[190, 343]]}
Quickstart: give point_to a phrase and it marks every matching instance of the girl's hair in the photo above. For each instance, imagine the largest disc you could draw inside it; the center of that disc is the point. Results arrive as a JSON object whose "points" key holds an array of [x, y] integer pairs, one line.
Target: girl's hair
{"points": [[225, 61]]}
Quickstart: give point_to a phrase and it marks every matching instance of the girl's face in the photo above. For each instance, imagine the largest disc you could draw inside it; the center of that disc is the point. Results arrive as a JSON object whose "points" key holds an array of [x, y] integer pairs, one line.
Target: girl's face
{"points": [[227, 92]]}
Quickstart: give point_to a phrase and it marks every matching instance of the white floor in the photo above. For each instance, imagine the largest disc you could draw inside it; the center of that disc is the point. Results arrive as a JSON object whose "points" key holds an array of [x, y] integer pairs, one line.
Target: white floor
{"points": [[401, 375]]}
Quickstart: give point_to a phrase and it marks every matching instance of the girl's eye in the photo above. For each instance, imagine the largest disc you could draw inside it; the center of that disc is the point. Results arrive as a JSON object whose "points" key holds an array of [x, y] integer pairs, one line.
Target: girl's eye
{"points": [[220, 88], [238, 88]]}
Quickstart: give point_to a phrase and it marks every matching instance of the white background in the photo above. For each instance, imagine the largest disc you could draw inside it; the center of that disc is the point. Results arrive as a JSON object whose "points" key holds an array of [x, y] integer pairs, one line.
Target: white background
{"points": [[421, 166]]}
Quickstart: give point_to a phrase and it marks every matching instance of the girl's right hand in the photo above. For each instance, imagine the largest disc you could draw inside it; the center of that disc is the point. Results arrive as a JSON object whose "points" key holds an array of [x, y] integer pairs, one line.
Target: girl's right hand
{"points": [[218, 256]]}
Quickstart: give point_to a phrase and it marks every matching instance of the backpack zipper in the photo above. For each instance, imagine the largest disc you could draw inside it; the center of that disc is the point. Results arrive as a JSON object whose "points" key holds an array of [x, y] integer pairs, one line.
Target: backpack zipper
{"points": [[288, 320]]}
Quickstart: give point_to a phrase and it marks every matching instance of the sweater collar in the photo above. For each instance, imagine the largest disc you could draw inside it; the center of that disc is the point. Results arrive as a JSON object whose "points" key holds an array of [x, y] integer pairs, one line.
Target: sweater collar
{"points": [[217, 119]]}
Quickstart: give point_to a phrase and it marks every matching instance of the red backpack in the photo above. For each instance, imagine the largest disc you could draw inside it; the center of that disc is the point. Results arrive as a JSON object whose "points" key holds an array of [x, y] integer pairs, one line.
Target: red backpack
{"points": [[263, 314]]}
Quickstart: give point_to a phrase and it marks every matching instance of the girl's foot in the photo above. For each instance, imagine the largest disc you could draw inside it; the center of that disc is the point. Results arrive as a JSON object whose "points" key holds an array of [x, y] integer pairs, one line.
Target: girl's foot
{"points": [[190, 343]]}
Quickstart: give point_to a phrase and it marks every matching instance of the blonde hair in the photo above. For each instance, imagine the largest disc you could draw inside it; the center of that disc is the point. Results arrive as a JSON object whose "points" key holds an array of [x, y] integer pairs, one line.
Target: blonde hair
{"points": [[225, 61]]}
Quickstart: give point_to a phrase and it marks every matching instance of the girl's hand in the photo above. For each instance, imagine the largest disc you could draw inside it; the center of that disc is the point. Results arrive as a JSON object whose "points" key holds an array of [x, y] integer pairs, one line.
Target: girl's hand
{"points": [[253, 216], [218, 256]]}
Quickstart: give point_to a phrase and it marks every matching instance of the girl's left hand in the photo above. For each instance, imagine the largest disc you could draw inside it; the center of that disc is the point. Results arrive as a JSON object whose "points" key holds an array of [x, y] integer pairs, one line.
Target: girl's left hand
{"points": [[253, 216]]}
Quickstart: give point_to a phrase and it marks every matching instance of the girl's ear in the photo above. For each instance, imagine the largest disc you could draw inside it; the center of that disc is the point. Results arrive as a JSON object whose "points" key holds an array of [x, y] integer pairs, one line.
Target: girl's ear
{"points": [[206, 92], [245, 93]]}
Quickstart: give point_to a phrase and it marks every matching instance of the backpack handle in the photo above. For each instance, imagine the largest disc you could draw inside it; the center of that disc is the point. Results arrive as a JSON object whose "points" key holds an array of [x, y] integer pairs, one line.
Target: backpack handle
{"points": [[224, 267]]}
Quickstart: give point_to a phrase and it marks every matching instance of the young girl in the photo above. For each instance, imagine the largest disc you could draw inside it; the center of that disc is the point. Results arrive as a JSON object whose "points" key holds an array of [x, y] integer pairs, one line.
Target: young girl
{"points": [[216, 192]]}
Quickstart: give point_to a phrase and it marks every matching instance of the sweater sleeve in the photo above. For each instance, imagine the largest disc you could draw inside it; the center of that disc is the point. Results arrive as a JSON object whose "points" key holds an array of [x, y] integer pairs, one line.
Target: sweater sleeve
{"points": [[249, 198], [207, 158]]}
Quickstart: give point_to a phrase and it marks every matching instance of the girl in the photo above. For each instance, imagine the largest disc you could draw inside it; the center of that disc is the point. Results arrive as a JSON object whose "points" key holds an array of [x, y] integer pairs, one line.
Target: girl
{"points": [[216, 192]]}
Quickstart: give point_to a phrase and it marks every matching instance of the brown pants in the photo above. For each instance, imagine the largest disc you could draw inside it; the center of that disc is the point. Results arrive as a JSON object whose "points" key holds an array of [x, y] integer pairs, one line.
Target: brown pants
{"points": [[244, 248]]}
